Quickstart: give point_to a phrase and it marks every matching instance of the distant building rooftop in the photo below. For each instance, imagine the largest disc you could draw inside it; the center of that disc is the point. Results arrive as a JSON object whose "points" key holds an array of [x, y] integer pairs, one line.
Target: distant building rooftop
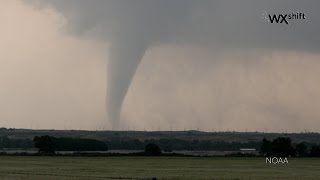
{"points": [[247, 149]]}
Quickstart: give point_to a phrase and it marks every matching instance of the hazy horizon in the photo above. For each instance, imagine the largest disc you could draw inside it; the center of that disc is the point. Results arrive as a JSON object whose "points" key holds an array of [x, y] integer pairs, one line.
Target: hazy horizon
{"points": [[207, 65]]}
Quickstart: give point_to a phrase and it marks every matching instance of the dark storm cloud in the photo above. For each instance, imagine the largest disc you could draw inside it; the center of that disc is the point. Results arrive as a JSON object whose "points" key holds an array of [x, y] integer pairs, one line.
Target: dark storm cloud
{"points": [[227, 23], [133, 26]]}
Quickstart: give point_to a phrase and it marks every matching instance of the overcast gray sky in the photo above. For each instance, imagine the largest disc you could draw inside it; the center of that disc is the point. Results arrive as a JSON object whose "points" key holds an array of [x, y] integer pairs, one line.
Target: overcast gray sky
{"points": [[205, 64]]}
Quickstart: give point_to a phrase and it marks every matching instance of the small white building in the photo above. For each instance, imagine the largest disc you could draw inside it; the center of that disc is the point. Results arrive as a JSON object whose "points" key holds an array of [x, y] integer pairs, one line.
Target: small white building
{"points": [[248, 151]]}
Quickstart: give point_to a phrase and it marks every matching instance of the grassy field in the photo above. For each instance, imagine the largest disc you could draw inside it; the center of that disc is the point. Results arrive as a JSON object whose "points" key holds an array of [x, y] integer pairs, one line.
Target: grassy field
{"points": [[60, 168]]}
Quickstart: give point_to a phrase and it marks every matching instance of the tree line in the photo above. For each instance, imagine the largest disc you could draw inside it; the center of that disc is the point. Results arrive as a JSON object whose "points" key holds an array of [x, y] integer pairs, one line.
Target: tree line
{"points": [[76, 144], [178, 144], [50, 144], [6, 142], [283, 147]]}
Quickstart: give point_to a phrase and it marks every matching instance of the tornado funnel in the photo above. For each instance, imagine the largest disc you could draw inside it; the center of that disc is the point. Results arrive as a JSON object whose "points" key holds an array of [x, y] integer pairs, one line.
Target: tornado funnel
{"points": [[125, 56]]}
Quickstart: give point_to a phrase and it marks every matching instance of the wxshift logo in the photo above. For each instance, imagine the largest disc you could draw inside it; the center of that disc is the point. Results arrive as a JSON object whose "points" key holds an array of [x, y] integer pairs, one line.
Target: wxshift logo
{"points": [[283, 18]]}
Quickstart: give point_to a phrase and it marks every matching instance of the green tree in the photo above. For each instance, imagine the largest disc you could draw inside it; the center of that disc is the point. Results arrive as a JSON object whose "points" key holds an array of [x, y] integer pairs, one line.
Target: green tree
{"points": [[266, 147], [152, 149], [45, 144], [315, 151], [301, 149], [281, 147]]}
